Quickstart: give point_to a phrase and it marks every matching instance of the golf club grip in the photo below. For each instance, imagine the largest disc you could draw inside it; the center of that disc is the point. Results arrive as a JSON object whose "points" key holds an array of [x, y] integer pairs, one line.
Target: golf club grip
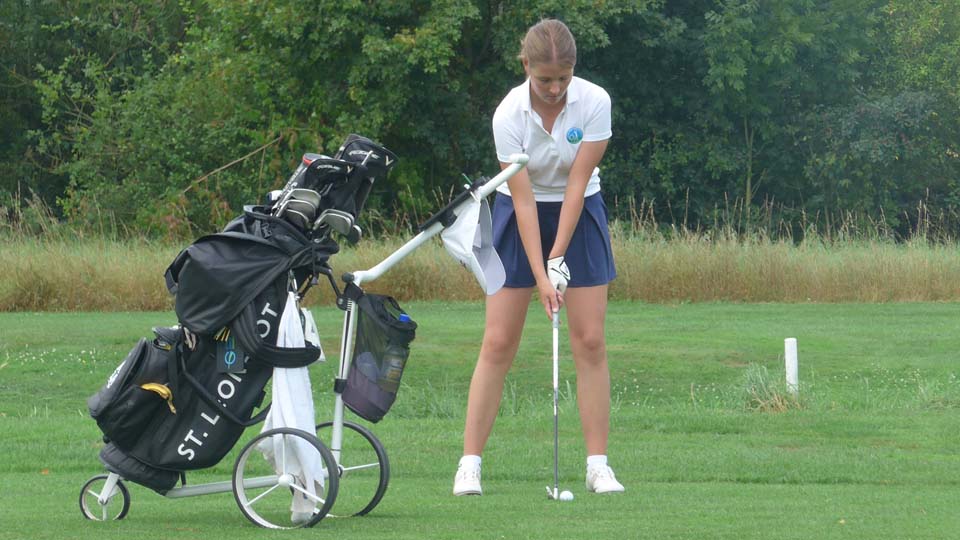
{"points": [[556, 350]]}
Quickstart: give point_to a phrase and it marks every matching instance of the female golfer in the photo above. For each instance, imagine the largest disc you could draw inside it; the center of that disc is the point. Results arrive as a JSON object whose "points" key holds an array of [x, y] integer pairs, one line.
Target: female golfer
{"points": [[550, 230]]}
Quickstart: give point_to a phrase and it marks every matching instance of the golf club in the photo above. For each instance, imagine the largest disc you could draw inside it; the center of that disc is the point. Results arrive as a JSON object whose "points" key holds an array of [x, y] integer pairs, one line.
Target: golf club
{"points": [[555, 492]]}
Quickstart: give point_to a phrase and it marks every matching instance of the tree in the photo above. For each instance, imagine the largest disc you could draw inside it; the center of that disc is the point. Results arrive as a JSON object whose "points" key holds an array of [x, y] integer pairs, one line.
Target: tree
{"points": [[81, 55], [170, 115], [268, 81]]}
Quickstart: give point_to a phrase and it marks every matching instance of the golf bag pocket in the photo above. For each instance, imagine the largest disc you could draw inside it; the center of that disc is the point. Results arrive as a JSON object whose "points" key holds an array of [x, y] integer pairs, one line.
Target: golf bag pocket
{"points": [[134, 393], [381, 347], [212, 410]]}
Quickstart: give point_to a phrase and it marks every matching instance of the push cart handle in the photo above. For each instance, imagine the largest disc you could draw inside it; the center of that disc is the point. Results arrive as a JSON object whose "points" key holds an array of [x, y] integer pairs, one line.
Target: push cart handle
{"points": [[517, 162]]}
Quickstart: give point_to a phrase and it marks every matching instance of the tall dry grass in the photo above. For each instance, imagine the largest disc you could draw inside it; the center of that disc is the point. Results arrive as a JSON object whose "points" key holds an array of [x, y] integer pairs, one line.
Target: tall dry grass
{"points": [[695, 267], [104, 275], [61, 274], [840, 258], [47, 266]]}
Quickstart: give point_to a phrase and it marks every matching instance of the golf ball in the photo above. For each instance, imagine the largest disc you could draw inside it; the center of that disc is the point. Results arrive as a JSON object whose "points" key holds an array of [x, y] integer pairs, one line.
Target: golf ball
{"points": [[566, 496]]}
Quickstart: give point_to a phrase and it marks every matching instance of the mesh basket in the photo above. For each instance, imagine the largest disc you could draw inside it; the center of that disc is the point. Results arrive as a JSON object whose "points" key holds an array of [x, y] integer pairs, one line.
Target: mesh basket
{"points": [[384, 333]]}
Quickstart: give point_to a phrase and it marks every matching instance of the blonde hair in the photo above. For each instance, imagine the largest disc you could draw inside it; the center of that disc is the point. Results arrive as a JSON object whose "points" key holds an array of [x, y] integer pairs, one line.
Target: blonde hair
{"points": [[549, 42]]}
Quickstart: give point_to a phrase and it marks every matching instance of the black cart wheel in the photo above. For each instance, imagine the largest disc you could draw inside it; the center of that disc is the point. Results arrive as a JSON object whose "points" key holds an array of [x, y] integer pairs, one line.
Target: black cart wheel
{"points": [[295, 488], [363, 465], [100, 506]]}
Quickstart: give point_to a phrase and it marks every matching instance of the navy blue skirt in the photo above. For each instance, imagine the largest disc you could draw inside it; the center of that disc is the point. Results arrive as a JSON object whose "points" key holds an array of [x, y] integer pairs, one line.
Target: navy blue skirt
{"points": [[589, 256]]}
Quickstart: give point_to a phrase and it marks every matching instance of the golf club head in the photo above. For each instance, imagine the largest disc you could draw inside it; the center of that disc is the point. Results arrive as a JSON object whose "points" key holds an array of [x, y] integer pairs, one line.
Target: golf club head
{"points": [[272, 197], [338, 220], [553, 493]]}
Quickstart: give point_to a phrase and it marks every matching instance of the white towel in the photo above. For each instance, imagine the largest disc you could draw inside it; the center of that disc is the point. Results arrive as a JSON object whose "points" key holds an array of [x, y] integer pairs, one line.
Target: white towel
{"points": [[293, 407], [310, 334]]}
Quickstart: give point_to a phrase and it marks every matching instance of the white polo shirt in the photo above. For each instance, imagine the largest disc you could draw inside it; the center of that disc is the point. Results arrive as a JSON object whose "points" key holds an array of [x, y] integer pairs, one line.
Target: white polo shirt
{"points": [[518, 128]]}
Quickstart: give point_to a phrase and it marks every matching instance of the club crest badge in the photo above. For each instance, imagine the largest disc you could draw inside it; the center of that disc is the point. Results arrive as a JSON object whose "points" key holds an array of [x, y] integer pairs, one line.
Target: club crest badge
{"points": [[574, 135]]}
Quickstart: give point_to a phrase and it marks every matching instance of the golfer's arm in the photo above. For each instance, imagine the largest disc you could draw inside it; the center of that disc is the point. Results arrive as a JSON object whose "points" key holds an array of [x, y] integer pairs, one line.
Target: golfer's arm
{"points": [[588, 157], [525, 208]]}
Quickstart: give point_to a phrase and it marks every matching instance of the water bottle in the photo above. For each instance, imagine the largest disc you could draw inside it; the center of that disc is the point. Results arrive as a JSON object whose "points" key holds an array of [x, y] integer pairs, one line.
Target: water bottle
{"points": [[394, 358]]}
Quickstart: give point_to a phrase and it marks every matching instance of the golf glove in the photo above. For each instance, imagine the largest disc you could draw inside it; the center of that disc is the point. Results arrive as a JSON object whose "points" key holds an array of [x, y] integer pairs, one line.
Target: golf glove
{"points": [[558, 273]]}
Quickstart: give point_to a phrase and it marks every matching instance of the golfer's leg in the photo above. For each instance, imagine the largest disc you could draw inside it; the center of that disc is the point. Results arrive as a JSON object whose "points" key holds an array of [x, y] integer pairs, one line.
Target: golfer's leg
{"points": [[506, 312], [586, 309]]}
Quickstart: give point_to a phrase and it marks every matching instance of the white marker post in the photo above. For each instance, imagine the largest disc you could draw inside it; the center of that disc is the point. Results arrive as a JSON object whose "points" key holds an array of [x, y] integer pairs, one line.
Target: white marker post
{"points": [[790, 358]]}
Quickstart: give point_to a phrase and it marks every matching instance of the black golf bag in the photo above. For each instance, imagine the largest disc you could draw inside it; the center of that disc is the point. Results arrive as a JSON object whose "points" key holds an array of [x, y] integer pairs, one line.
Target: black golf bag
{"points": [[154, 434], [181, 401]]}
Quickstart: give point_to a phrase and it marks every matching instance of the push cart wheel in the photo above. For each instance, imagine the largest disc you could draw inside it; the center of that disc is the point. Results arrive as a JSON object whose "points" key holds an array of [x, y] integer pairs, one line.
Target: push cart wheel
{"points": [[97, 505], [363, 466], [292, 489]]}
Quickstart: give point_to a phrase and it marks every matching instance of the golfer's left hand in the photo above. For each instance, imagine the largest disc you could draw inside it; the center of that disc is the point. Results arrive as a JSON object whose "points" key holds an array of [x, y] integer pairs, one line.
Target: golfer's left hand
{"points": [[558, 273]]}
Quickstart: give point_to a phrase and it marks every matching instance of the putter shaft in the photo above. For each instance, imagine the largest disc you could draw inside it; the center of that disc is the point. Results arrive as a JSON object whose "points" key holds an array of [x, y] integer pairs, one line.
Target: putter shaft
{"points": [[556, 398]]}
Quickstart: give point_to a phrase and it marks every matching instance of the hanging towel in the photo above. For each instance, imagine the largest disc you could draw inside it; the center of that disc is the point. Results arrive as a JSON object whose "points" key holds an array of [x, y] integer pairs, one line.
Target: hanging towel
{"points": [[310, 333], [469, 240], [293, 407]]}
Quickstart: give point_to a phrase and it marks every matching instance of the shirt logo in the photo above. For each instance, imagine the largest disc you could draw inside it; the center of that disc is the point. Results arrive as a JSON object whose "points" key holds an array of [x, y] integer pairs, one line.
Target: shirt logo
{"points": [[574, 135]]}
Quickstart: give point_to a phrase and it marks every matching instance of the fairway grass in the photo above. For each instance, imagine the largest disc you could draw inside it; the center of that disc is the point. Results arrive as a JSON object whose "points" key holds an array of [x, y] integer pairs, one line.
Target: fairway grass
{"points": [[869, 450]]}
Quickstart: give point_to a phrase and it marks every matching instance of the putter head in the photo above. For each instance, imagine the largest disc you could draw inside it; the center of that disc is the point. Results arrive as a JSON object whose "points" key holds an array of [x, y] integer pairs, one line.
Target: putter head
{"points": [[552, 493]]}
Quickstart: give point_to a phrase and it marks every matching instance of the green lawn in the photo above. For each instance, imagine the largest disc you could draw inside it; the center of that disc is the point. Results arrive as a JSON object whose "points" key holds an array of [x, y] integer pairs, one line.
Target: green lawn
{"points": [[871, 452]]}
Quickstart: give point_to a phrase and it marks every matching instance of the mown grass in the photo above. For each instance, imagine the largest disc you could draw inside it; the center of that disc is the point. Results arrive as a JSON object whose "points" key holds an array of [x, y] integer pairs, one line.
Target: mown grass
{"points": [[869, 450]]}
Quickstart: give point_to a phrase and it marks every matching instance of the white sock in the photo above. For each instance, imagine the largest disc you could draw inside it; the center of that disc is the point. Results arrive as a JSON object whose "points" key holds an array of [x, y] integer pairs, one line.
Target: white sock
{"points": [[596, 460], [470, 461]]}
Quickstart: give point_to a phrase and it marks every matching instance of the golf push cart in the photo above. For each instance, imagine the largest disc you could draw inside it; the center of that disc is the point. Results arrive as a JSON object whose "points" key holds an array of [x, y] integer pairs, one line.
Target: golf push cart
{"points": [[181, 400]]}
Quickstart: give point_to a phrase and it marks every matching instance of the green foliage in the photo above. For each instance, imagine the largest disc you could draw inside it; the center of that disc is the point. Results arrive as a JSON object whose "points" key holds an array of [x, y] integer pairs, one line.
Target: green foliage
{"points": [[860, 155], [922, 55], [105, 50], [167, 116], [267, 82]]}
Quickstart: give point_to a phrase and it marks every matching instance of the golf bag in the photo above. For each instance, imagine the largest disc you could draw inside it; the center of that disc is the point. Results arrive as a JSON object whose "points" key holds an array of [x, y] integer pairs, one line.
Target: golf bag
{"points": [[384, 333], [181, 401], [170, 409]]}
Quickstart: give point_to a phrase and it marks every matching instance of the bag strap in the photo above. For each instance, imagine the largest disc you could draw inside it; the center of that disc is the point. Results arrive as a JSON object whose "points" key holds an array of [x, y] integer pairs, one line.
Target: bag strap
{"points": [[244, 328], [177, 363]]}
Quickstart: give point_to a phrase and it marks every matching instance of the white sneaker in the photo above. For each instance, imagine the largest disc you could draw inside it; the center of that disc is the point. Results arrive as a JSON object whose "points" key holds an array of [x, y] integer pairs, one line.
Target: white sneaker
{"points": [[467, 481], [600, 479]]}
